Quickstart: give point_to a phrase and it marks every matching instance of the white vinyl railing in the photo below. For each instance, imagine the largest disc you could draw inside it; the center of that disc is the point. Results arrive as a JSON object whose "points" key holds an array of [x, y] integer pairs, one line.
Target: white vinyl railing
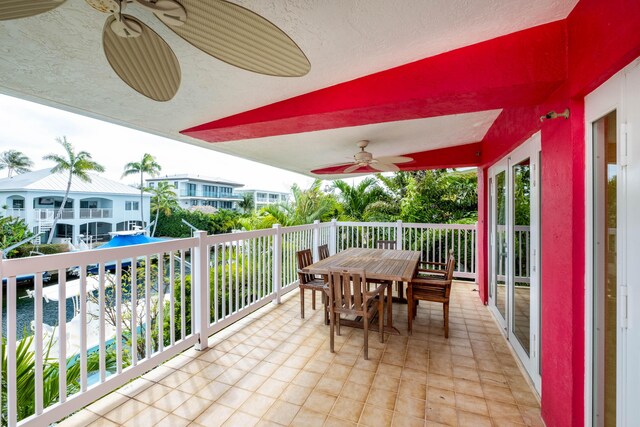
{"points": [[138, 306], [434, 241], [97, 213]]}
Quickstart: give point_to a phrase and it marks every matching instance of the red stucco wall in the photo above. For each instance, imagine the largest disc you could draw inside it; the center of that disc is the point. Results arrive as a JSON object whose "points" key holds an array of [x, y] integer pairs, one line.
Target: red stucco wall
{"points": [[602, 37]]}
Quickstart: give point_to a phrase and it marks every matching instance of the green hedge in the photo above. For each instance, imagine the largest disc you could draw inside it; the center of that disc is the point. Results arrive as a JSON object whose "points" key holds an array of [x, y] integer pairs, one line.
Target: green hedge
{"points": [[25, 250]]}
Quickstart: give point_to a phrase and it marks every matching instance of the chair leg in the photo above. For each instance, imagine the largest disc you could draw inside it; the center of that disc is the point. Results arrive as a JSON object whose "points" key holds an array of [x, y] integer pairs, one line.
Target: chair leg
{"points": [[337, 317], [313, 299], [410, 303], [445, 308], [302, 303], [366, 335], [325, 306], [381, 318], [332, 321]]}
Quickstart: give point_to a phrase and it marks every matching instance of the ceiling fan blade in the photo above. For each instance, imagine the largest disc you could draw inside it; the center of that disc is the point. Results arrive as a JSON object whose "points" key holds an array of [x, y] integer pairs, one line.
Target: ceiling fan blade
{"points": [[145, 62], [240, 37], [384, 167], [351, 168], [394, 159], [15, 9]]}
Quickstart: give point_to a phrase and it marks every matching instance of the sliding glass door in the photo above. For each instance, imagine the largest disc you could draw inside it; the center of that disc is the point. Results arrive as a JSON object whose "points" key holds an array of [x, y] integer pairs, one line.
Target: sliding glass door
{"points": [[514, 294]]}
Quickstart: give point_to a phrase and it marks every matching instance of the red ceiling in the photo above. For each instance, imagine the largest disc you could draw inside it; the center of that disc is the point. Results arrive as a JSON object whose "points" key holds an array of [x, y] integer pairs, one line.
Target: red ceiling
{"points": [[512, 71]]}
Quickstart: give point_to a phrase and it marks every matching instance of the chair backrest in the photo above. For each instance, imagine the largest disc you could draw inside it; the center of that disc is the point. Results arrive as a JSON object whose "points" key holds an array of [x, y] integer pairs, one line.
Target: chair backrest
{"points": [[305, 258], [386, 244], [347, 288], [323, 251], [451, 265]]}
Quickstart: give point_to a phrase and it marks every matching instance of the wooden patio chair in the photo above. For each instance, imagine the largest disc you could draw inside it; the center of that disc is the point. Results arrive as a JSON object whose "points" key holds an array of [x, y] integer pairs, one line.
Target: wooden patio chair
{"points": [[386, 244], [348, 295], [435, 288], [323, 252], [308, 281]]}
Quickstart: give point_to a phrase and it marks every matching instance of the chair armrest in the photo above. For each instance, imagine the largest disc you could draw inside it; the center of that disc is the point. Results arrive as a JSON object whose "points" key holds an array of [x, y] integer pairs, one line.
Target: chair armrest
{"points": [[429, 282], [376, 291], [431, 271]]}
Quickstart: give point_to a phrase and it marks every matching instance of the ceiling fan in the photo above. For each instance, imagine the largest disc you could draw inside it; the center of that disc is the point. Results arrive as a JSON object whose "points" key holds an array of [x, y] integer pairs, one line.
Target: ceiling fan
{"points": [[144, 61], [364, 158]]}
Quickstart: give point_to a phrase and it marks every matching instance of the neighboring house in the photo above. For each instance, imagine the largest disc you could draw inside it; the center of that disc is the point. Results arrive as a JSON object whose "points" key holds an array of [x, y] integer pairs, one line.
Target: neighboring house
{"points": [[262, 198], [196, 190], [92, 210]]}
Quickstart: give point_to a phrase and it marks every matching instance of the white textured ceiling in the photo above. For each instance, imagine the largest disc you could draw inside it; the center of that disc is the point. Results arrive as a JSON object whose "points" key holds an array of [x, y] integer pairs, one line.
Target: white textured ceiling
{"points": [[57, 59], [312, 150]]}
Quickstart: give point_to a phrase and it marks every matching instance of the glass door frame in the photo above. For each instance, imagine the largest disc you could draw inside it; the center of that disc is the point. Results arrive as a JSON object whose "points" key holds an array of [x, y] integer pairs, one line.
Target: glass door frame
{"points": [[531, 149], [494, 171]]}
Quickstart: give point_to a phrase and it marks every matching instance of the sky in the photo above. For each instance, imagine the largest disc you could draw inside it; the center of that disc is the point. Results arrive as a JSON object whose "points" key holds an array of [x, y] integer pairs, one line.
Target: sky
{"points": [[33, 128]]}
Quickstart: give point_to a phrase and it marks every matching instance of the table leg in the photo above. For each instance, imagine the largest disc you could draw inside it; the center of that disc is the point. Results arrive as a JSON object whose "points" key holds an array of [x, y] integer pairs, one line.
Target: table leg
{"points": [[389, 306]]}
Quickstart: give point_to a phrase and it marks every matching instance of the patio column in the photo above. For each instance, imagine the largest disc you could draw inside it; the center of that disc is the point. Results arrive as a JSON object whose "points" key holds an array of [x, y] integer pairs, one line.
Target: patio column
{"points": [[200, 285]]}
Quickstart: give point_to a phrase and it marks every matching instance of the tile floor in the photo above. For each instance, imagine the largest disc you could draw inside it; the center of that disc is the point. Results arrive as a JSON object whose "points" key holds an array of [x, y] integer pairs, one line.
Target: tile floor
{"points": [[273, 368]]}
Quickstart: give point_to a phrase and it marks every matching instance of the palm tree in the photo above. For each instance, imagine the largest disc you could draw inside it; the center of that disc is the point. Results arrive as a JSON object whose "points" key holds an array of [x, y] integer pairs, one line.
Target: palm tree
{"points": [[246, 204], [147, 165], [305, 207], [164, 199], [356, 198], [15, 161], [76, 164]]}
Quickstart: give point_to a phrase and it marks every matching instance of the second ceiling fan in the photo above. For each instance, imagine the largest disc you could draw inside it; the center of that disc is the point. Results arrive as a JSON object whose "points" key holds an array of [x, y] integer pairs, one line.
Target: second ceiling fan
{"points": [[363, 159]]}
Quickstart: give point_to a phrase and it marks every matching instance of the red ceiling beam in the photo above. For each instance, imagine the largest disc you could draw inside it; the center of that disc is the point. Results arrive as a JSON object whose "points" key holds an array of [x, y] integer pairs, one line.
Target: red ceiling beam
{"points": [[518, 69]]}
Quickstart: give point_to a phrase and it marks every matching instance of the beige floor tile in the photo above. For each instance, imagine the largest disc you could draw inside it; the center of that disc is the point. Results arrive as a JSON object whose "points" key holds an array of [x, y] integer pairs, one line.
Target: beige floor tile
{"points": [[214, 415], [124, 412], [107, 403], [80, 419], [213, 390], [308, 418], [251, 381], [234, 397], [403, 420], [150, 415], [193, 384], [231, 376], [320, 402], [374, 416], [337, 422], [409, 406], [442, 414], [412, 389], [468, 419], [257, 404], [171, 400], [272, 387], [103, 422], [135, 387], [241, 419], [347, 409], [355, 391], [441, 396], [192, 408], [383, 399], [282, 412], [172, 420], [330, 385], [296, 394]]}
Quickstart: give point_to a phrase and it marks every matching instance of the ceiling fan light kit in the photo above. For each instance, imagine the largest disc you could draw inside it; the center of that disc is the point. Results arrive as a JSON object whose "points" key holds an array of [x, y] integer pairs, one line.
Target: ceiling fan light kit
{"points": [[145, 62]]}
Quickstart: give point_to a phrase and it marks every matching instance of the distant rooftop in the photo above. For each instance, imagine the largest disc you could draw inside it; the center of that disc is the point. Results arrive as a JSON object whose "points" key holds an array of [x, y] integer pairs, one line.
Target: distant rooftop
{"points": [[44, 180], [195, 177]]}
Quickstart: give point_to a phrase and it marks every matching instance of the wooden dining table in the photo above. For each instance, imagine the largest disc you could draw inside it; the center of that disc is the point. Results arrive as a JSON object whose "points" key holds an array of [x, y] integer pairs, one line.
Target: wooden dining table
{"points": [[379, 265]]}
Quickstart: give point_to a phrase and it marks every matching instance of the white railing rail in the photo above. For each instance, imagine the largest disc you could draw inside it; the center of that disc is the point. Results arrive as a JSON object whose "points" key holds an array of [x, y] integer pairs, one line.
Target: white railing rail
{"points": [[15, 212], [140, 305], [97, 213], [434, 241]]}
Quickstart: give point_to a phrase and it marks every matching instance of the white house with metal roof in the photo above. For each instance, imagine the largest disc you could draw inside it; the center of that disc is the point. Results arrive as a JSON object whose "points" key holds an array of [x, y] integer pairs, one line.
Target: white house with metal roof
{"points": [[92, 210], [197, 190]]}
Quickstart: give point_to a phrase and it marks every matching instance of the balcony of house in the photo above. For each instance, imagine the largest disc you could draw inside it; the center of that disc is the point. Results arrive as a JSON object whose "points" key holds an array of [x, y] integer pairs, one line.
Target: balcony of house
{"points": [[45, 208], [211, 333], [15, 212], [96, 208], [210, 195]]}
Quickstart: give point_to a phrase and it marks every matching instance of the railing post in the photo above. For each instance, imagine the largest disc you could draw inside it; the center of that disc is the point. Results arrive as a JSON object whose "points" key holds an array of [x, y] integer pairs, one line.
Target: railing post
{"points": [[474, 236], [399, 234], [200, 272], [277, 263], [333, 236], [316, 240]]}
